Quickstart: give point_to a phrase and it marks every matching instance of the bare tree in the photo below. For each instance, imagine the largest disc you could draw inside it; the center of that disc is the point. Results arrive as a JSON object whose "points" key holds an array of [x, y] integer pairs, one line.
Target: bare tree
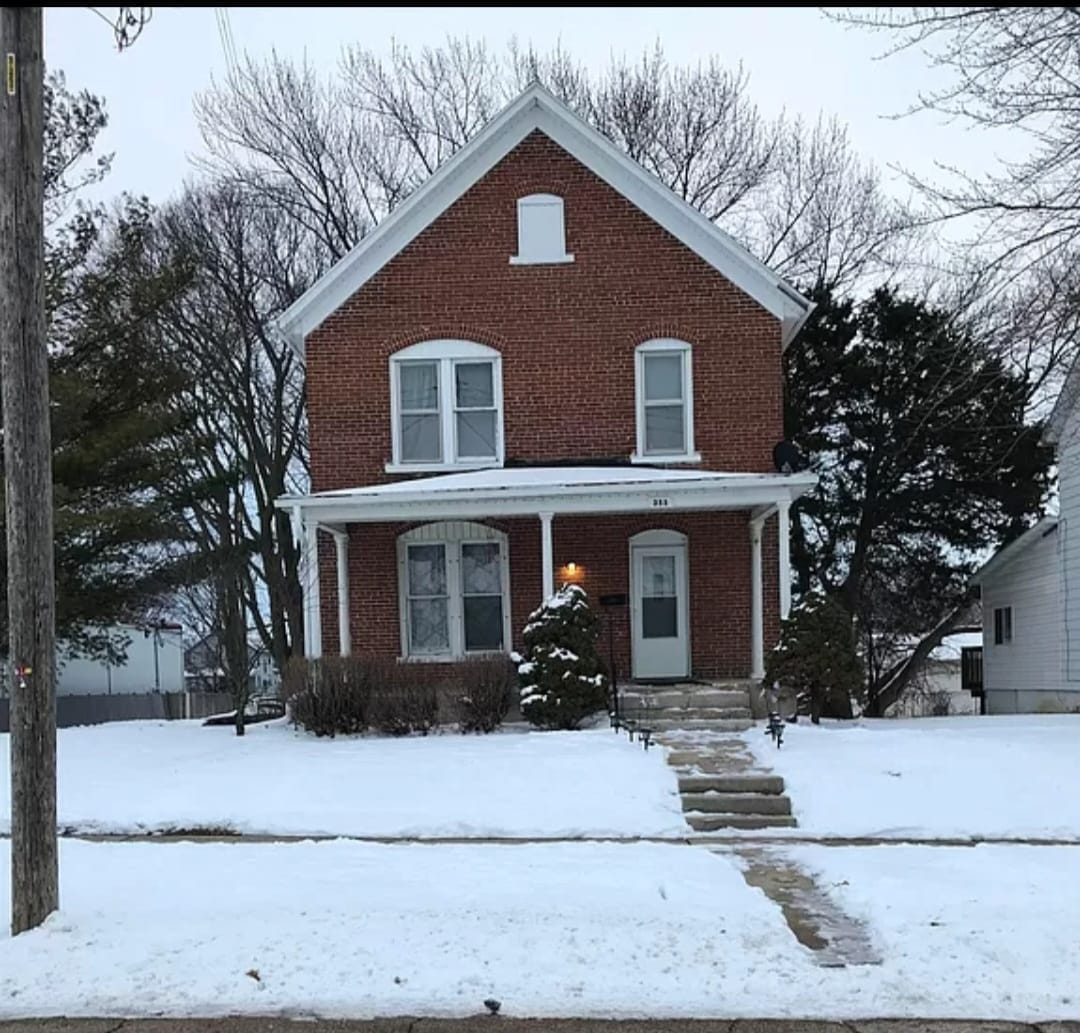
{"points": [[248, 403], [338, 153], [1015, 69]]}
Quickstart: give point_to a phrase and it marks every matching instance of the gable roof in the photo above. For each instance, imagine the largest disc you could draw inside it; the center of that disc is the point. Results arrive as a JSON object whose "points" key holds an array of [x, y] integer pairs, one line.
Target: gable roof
{"points": [[537, 109], [1004, 556]]}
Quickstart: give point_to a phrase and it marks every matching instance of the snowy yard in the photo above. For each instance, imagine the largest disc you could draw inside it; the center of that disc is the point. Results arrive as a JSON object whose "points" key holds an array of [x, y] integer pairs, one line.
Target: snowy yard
{"points": [[346, 928], [966, 777], [137, 776]]}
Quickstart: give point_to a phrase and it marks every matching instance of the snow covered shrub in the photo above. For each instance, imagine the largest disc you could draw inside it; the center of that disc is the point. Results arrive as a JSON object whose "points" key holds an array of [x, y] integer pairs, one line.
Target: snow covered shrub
{"points": [[403, 699], [483, 693], [327, 696], [562, 680], [816, 657]]}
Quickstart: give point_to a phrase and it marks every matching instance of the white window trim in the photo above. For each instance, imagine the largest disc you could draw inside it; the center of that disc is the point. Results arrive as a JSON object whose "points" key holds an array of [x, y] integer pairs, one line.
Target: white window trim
{"points": [[453, 535], [447, 353], [544, 200], [660, 345]]}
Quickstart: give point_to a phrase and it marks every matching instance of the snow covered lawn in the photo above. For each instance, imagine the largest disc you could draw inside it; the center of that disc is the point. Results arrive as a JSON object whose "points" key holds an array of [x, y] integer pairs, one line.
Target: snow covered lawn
{"points": [[354, 929], [927, 777], [136, 776]]}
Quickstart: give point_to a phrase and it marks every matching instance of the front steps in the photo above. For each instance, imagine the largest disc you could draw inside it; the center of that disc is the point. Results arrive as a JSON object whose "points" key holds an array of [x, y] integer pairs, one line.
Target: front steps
{"points": [[720, 707], [735, 801], [720, 786]]}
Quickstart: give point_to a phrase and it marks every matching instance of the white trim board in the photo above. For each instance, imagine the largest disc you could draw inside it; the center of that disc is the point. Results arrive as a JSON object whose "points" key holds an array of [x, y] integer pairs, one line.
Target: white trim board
{"points": [[537, 109], [479, 496], [1006, 554]]}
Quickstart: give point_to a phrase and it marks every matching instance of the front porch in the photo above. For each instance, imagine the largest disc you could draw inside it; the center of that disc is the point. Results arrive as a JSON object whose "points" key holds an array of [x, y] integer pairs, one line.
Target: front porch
{"points": [[687, 567]]}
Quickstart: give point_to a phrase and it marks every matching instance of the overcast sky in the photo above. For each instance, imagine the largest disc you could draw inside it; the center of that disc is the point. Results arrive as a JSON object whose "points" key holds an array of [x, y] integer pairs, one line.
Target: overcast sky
{"points": [[797, 60]]}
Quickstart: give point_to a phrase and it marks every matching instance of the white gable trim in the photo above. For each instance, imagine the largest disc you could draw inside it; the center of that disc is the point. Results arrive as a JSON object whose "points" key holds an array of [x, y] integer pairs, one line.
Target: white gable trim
{"points": [[1007, 554], [537, 109]]}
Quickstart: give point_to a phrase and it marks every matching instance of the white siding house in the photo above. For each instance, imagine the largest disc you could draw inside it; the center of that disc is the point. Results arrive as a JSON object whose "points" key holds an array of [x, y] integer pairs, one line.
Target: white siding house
{"points": [[154, 662], [1023, 605]]}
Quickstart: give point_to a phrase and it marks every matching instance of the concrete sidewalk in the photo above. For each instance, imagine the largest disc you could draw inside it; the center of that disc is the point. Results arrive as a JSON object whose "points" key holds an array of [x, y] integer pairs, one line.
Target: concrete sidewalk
{"points": [[487, 1024]]}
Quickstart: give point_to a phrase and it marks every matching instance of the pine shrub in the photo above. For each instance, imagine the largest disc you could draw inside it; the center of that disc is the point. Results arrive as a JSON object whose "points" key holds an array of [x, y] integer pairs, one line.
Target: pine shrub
{"points": [[562, 680], [816, 657]]}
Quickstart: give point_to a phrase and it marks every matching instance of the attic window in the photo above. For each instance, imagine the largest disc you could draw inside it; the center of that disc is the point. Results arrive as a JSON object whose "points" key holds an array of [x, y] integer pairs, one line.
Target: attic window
{"points": [[541, 231]]}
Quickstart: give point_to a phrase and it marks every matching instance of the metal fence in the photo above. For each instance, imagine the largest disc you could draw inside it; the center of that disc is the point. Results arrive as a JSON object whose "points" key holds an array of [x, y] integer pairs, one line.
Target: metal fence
{"points": [[96, 710]]}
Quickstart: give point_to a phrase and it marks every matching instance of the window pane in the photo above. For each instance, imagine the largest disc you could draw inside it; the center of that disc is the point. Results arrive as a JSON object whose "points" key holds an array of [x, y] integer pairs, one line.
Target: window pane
{"points": [[657, 576], [663, 377], [420, 438], [483, 622], [428, 629], [419, 386], [475, 385], [480, 570], [664, 430], [476, 434], [427, 570], [659, 618]]}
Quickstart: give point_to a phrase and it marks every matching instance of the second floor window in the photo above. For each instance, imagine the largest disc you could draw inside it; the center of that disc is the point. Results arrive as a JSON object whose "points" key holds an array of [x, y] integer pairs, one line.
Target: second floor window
{"points": [[665, 402], [446, 406]]}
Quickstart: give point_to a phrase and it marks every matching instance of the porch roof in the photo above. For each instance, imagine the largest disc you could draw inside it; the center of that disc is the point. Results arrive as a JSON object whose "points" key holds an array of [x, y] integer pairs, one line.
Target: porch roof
{"points": [[557, 490]]}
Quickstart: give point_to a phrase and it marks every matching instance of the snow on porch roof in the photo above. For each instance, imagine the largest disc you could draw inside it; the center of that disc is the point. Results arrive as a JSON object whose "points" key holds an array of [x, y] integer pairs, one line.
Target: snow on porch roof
{"points": [[576, 489]]}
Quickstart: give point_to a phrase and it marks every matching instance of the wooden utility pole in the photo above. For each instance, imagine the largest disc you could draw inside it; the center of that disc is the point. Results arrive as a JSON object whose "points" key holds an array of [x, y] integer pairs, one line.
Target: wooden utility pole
{"points": [[24, 372]]}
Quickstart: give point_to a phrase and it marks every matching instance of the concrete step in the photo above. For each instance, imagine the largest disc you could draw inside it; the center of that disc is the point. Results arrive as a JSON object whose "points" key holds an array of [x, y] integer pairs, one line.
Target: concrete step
{"points": [[687, 713], [694, 724], [693, 697], [712, 822], [772, 785], [736, 803]]}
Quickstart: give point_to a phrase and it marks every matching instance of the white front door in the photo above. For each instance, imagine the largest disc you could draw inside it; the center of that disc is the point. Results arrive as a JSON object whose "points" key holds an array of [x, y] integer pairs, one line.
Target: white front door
{"points": [[661, 640]]}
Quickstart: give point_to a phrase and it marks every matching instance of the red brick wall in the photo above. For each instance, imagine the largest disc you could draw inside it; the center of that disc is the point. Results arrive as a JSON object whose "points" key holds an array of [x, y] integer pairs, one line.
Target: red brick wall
{"points": [[567, 333], [718, 556]]}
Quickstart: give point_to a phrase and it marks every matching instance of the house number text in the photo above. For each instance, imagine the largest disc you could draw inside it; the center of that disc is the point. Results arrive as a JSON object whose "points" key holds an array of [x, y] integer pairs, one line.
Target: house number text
{"points": [[659, 503]]}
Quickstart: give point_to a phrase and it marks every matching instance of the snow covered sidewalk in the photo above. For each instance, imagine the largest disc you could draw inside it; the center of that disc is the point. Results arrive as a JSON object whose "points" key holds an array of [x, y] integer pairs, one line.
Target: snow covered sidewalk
{"points": [[584, 929], [142, 776], [962, 777]]}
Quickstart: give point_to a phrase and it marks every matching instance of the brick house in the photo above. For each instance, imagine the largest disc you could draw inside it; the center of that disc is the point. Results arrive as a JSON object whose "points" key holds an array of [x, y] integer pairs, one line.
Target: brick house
{"points": [[543, 367]]}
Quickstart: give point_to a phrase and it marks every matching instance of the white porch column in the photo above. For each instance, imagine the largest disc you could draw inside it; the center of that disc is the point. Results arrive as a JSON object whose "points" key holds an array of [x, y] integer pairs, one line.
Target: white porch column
{"points": [[547, 553], [312, 618], [341, 548], [757, 609], [783, 516]]}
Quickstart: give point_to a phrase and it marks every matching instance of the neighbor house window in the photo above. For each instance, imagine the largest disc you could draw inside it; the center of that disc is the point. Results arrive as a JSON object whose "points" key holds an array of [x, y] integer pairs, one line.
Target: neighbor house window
{"points": [[1002, 625], [665, 402], [541, 231], [454, 582], [446, 406]]}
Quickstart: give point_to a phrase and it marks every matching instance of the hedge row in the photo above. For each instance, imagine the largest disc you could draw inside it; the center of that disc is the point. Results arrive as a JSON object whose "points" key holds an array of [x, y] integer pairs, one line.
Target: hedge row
{"points": [[349, 695]]}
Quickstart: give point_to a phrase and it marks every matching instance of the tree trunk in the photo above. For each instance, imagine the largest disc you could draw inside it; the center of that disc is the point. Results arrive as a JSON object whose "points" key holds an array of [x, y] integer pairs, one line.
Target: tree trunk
{"points": [[890, 686], [24, 371]]}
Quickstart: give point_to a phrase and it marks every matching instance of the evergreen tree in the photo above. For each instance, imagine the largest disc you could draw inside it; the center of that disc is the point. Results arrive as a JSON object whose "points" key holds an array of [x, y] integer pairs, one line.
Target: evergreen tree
{"points": [[562, 679], [120, 442], [917, 430], [816, 657]]}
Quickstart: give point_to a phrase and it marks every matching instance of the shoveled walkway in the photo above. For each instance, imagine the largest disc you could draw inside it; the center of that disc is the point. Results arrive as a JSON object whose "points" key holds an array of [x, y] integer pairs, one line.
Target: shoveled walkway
{"points": [[724, 788]]}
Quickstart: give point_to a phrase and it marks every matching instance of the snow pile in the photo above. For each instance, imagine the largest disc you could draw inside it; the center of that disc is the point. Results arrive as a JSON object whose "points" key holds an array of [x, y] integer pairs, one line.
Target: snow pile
{"points": [[596, 930], [966, 777], [137, 776]]}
